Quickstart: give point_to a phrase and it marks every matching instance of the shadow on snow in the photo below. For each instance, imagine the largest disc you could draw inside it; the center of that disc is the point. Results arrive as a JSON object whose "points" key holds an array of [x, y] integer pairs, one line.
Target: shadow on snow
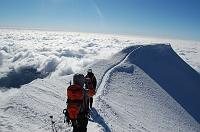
{"points": [[174, 75], [15, 79], [99, 119]]}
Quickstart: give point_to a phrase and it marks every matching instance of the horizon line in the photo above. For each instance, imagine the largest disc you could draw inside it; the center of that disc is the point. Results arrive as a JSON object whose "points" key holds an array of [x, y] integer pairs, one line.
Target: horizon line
{"points": [[102, 33]]}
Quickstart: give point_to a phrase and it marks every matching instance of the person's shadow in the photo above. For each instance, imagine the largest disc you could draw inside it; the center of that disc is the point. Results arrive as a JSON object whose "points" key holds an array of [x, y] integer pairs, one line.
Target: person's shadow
{"points": [[95, 117]]}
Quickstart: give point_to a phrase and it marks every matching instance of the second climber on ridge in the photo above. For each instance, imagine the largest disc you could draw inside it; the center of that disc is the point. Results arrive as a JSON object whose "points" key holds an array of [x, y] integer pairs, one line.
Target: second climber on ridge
{"points": [[90, 83]]}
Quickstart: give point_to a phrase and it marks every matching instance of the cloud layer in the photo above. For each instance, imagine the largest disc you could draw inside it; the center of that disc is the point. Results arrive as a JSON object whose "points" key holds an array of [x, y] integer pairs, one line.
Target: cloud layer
{"points": [[53, 53], [56, 54]]}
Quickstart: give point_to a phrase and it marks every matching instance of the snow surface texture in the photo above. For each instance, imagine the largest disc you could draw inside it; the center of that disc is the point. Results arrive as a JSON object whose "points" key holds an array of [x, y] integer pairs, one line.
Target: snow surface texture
{"points": [[129, 97], [130, 100], [127, 100]]}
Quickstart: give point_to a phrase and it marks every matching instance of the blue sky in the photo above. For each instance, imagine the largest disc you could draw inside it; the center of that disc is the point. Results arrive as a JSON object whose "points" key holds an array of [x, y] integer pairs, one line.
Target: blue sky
{"points": [[159, 18]]}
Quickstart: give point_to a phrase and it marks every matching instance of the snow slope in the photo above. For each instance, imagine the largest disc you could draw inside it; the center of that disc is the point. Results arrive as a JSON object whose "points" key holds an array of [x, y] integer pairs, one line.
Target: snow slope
{"points": [[130, 97], [176, 77]]}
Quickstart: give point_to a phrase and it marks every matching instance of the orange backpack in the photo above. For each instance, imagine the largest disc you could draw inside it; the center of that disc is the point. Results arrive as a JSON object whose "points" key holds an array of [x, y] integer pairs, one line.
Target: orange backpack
{"points": [[75, 99], [91, 90]]}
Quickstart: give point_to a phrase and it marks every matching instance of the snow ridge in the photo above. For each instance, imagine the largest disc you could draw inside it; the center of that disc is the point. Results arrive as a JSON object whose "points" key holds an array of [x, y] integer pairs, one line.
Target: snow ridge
{"points": [[126, 74], [127, 99], [108, 71]]}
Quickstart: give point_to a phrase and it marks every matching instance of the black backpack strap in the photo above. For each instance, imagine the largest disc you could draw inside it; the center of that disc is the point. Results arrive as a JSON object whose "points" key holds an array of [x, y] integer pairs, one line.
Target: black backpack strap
{"points": [[74, 101]]}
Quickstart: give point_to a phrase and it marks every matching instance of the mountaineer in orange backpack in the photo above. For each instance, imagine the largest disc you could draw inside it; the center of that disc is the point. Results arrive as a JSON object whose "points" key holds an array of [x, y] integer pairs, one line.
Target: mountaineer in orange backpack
{"points": [[77, 104], [90, 84]]}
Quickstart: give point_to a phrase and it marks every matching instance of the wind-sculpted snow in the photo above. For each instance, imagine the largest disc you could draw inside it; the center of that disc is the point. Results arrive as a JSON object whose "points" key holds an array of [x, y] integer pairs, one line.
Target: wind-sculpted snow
{"points": [[175, 76], [130, 99]]}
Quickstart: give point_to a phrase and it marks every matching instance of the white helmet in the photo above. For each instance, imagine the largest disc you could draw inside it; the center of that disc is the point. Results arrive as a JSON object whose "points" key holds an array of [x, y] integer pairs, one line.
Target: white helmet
{"points": [[89, 70]]}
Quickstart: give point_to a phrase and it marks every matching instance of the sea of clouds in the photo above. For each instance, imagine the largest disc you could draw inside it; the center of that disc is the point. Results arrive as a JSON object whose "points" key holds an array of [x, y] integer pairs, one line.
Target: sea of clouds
{"points": [[53, 53], [38, 54]]}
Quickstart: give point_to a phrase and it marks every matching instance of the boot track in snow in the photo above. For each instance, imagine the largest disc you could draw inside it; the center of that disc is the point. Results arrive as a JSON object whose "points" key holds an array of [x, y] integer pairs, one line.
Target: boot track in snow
{"points": [[101, 91]]}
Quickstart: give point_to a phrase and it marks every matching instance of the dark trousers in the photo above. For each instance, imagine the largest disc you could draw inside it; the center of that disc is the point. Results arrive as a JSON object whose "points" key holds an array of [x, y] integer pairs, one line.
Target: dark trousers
{"points": [[80, 125], [91, 101]]}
